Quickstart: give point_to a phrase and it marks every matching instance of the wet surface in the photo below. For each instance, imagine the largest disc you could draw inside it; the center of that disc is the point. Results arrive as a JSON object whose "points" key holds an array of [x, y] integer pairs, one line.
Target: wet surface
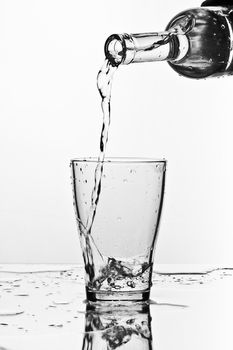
{"points": [[44, 306]]}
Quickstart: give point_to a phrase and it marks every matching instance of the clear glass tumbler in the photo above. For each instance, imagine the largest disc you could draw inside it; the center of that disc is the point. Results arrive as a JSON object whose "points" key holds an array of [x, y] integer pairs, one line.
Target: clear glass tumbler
{"points": [[118, 206]]}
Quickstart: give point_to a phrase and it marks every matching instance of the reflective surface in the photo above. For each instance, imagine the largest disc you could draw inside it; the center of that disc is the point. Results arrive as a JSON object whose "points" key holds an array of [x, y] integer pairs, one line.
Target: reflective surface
{"points": [[43, 307]]}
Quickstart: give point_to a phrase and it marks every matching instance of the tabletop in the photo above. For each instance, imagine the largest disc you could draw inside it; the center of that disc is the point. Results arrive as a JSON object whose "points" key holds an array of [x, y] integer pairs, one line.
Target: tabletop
{"points": [[43, 306]]}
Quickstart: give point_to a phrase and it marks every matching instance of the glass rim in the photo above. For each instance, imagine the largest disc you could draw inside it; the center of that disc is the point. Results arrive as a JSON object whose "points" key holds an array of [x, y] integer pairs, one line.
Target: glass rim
{"points": [[121, 160]]}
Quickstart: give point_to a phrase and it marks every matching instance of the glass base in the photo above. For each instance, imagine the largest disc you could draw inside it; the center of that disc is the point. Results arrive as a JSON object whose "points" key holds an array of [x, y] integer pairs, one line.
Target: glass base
{"points": [[118, 296]]}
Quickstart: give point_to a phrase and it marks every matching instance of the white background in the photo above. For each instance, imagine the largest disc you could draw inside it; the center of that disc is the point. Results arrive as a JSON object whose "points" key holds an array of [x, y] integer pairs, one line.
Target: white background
{"points": [[50, 52]]}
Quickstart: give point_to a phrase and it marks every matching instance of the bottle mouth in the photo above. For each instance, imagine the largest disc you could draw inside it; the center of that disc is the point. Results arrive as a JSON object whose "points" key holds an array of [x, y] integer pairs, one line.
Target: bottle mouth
{"points": [[114, 49], [119, 49]]}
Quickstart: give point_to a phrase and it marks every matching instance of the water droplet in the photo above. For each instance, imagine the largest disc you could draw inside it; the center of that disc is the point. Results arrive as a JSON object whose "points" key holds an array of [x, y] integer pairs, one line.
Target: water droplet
{"points": [[9, 279], [61, 302], [11, 312], [55, 325]]}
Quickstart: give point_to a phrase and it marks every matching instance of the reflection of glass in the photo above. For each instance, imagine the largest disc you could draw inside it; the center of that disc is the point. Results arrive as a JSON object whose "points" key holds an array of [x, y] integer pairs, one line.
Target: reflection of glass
{"points": [[108, 327], [118, 247]]}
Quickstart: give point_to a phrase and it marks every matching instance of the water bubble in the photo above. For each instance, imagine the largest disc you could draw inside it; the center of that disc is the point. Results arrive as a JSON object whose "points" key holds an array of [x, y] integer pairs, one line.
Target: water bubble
{"points": [[116, 286], [131, 284], [130, 321], [109, 280], [223, 26]]}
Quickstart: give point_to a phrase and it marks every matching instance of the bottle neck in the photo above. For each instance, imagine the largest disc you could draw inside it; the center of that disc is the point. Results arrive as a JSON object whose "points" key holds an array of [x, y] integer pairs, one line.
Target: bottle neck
{"points": [[147, 47]]}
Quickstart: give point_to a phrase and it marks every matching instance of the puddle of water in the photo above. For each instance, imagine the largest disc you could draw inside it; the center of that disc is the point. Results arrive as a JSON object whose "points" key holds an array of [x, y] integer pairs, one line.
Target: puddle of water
{"points": [[152, 302], [205, 272], [46, 295], [191, 278]]}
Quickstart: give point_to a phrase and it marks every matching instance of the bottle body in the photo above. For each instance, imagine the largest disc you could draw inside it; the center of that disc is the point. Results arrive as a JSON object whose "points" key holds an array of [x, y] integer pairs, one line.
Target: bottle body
{"points": [[197, 43], [210, 40]]}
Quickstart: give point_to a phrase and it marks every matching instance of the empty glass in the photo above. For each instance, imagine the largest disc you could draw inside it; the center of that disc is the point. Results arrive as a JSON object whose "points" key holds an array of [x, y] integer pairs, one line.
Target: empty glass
{"points": [[118, 206]]}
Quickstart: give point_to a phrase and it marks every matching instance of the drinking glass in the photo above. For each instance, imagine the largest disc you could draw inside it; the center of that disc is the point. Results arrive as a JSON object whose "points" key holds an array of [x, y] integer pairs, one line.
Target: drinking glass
{"points": [[118, 204]]}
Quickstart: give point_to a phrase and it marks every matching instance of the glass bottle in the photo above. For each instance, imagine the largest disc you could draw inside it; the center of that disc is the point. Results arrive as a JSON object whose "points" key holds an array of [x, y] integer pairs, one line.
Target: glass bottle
{"points": [[197, 43]]}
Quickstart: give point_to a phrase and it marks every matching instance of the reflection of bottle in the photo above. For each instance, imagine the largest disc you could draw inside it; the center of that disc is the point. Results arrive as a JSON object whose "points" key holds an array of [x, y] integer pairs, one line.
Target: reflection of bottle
{"points": [[197, 43], [108, 327]]}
